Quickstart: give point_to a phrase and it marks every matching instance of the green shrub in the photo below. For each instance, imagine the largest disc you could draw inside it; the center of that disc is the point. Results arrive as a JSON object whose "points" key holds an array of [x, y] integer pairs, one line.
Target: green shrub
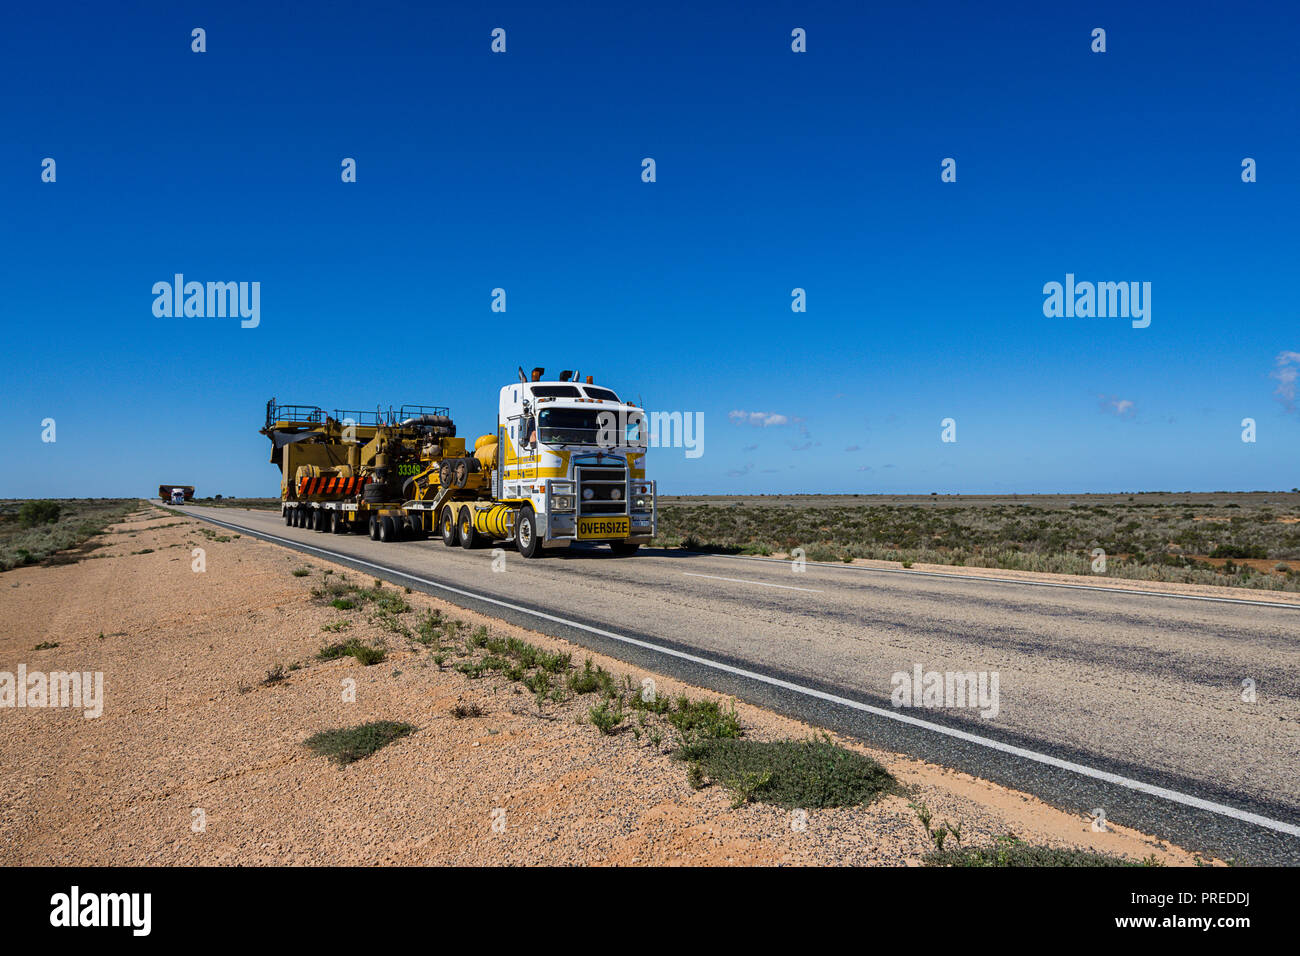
{"points": [[592, 678], [1011, 851], [33, 513], [348, 745], [698, 720], [352, 648], [605, 717], [791, 773]]}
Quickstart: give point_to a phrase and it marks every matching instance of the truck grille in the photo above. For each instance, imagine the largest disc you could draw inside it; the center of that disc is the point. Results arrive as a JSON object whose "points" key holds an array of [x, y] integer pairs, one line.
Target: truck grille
{"points": [[603, 482]]}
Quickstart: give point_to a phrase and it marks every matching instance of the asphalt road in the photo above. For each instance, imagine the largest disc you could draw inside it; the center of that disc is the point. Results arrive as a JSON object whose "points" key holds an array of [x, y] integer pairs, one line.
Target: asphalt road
{"points": [[1128, 703]]}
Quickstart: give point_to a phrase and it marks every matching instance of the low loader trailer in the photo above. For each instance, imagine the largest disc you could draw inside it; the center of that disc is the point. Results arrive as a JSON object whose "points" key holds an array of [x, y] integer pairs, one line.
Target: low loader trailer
{"points": [[565, 464]]}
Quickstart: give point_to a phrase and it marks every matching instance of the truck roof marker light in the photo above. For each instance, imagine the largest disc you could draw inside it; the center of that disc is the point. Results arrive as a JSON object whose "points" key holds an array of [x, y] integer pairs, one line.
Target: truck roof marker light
{"points": [[565, 375], [589, 381], [538, 373]]}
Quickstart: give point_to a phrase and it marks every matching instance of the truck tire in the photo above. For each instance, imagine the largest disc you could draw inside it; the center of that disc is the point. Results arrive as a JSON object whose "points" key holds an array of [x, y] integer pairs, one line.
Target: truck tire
{"points": [[388, 529], [469, 536], [527, 540], [447, 528], [415, 527], [623, 549], [288, 517], [297, 517], [336, 523], [374, 527]]}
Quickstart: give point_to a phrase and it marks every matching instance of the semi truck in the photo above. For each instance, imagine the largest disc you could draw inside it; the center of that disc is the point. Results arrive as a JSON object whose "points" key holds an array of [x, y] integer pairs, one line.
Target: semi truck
{"points": [[175, 494], [565, 464]]}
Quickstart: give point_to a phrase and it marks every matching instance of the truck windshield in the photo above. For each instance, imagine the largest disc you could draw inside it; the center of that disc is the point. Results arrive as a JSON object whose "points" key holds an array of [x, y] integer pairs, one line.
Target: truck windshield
{"points": [[581, 426], [568, 425]]}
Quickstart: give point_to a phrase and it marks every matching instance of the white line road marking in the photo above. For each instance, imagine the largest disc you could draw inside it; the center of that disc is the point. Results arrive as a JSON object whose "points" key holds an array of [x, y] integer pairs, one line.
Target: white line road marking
{"points": [[1103, 775], [757, 584]]}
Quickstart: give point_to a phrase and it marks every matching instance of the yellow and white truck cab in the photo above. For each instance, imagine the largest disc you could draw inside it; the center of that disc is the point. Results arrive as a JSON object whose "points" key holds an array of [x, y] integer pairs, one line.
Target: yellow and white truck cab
{"points": [[571, 457]]}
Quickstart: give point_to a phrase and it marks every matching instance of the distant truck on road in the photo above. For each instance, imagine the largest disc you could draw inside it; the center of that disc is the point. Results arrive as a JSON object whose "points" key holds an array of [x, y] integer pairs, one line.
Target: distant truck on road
{"points": [[175, 494]]}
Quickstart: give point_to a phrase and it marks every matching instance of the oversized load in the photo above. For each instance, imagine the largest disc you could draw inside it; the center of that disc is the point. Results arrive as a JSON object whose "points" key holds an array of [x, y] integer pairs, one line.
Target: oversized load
{"points": [[165, 492], [565, 464]]}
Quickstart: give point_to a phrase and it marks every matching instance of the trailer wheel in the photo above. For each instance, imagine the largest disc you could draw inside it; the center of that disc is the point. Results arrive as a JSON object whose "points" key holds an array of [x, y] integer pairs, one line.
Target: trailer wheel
{"points": [[336, 523], [623, 549], [415, 527], [297, 517], [447, 528], [527, 539], [469, 536], [288, 517], [374, 528], [388, 529]]}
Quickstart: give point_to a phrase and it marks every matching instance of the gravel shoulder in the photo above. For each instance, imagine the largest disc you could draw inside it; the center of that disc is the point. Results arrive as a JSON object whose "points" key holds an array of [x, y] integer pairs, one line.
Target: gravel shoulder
{"points": [[191, 734]]}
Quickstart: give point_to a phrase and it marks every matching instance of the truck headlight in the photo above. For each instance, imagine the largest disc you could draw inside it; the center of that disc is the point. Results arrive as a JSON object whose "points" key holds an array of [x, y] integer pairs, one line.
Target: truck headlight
{"points": [[562, 502], [642, 503]]}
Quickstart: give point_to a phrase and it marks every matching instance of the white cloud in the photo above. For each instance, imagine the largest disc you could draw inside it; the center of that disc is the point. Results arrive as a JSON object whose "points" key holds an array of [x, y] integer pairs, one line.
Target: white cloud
{"points": [[1119, 407], [1286, 369], [761, 419]]}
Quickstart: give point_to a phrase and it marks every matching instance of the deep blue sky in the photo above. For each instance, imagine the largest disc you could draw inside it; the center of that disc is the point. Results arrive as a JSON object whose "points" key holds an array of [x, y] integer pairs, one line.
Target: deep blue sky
{"points": [[776, 170]]}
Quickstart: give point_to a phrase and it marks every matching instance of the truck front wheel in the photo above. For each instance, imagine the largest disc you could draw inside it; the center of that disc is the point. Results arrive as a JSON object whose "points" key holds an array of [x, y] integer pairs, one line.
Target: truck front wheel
{"points": [[527, 539]]}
